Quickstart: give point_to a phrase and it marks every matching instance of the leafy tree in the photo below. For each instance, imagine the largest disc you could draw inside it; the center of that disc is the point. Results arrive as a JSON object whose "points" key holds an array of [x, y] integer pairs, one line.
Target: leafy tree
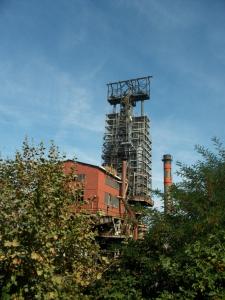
{"points": [[183, 254], [46, 252]]}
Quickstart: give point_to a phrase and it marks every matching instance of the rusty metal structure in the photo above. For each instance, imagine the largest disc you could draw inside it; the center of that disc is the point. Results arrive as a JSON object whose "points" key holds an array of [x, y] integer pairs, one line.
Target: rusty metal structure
{"points": [[114, 194], [127, 136]]}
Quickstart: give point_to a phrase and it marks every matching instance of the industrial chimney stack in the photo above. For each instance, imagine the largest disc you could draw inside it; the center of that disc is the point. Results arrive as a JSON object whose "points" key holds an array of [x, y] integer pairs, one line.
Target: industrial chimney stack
{"points": [[167, 161]]}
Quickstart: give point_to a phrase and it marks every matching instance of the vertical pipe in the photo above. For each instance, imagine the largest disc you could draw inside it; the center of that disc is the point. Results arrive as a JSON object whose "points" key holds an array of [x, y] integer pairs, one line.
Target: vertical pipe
{"points": [[123, 187], [135, 235], [142, 108], [124, 177], [123, 194], [167, 162]]}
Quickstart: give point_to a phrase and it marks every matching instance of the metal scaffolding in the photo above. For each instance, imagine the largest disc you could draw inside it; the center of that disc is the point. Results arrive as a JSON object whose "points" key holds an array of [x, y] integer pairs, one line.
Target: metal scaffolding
{"points": [[127, 136]]}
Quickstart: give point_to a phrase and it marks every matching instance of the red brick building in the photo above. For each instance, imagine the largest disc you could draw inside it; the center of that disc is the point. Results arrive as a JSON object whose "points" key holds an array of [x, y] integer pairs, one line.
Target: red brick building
{"points": [[103, 197], [102, 190]]}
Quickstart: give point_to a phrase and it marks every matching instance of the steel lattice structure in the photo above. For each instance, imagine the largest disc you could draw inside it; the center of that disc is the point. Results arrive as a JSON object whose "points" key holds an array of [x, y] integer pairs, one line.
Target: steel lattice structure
{"points": [[127, 137]]}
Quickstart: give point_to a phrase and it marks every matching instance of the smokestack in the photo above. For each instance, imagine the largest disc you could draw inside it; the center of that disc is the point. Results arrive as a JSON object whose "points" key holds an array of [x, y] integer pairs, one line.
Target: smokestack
{"points": [[167, 161]]}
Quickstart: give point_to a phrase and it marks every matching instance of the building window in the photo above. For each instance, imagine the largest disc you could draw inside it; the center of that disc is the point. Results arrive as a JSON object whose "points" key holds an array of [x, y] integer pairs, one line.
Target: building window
{"points": [[112, 182], [115, 201], [81, 177], [111, 200], [107, 199]]}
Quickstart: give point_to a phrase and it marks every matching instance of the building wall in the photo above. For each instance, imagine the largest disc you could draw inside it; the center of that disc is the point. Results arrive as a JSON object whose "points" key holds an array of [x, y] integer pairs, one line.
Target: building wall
{"points": [[106, 204], [99, 195]]}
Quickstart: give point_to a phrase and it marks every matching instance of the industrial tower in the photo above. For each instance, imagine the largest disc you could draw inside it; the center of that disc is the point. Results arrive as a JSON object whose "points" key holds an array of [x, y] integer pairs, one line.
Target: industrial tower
{"points": [[127, 136], [167, 163]]}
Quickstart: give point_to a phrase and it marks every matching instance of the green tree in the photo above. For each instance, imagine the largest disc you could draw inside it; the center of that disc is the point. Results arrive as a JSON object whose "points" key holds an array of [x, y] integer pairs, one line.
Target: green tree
{"points": [[46, 252], [183, 254]]}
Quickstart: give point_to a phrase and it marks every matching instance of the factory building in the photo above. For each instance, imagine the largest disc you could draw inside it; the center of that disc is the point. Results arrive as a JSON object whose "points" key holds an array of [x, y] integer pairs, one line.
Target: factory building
{"points": [[111, 193], [101, 189], [103, 197]]}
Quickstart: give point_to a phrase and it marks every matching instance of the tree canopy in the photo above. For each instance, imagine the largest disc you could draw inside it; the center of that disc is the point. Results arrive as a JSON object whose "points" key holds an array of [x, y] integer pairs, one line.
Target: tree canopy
{"points": [[45, 251], [183, 253]]}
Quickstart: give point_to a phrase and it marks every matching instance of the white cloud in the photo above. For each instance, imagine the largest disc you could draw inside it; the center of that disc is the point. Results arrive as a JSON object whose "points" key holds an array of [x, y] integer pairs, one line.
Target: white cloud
{"points": [[167, 15], [39, 90], [41, 98], [78, 110]]}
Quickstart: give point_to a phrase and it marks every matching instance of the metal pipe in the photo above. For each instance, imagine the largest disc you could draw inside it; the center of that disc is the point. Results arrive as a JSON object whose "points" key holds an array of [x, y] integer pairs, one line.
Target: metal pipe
{"points": [[142, 108], [135, 235], [124, 177], [124, 199]]}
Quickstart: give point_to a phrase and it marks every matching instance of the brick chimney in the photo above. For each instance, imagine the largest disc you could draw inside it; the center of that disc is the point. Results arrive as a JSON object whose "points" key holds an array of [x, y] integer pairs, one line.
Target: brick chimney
{"points": [[167, 162]]}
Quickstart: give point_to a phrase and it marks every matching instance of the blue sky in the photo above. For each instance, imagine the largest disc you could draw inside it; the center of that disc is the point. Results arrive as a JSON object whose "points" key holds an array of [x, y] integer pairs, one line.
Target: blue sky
{"points": [[56, 57]]}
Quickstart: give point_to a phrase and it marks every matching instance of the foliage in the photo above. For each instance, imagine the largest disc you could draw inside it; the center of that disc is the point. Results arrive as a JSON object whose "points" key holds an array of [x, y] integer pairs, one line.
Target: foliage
{"points": [[183, 254], [45, 251], [48, 253]]}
